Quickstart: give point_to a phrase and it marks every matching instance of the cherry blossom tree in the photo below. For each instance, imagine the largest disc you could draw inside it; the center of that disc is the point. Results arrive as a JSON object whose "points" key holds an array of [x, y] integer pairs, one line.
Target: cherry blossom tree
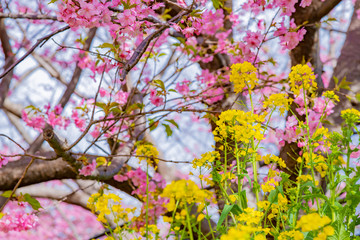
{"points": [[92, 90]]}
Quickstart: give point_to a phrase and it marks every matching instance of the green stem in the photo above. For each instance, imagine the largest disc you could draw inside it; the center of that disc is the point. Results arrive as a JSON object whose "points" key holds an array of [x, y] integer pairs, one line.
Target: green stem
{"points": [[309, 149], [207, 213], [188, 222], [147, 201], [238, 170]]}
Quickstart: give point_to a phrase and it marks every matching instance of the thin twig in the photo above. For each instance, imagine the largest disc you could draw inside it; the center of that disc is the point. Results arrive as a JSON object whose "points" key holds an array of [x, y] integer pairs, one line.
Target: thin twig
{"points": [[17, 184], [38, 42]]}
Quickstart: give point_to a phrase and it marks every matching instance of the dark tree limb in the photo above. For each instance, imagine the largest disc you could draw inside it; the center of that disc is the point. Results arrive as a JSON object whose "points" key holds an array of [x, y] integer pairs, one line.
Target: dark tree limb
{"points": [[28, 16], [348, 65], [43, 171], [101, 173], [305, 51], [18, 183], [9, 60]]}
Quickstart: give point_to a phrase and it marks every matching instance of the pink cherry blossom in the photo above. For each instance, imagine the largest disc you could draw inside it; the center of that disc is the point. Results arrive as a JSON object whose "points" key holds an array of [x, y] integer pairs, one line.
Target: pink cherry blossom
{"points": [[88, 169], [154, 99], [121, 97]]}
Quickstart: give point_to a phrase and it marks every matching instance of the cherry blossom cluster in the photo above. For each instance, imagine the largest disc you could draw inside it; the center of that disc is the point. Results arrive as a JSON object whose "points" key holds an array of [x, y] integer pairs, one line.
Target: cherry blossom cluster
{"points": [[37, 118], [18, 220]]}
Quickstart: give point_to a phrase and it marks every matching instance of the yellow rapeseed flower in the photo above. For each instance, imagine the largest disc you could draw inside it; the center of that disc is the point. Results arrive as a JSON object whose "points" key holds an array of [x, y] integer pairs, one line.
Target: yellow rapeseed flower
{"points": [[302, 77], [187, 192], [312, 221], [148, 152], [269, 185], [239, 125], [275, 159], [100, 203], [206, 160], [304, 178], [331, 95], [243, 75], [279, 100], [235, 234], [351, 116], [293, 234], [250, 216]]}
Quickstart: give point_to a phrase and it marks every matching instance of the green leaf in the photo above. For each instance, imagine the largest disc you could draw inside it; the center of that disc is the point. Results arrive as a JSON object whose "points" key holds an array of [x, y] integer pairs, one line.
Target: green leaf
{"points": [[32, 201], [52, 1], [168, 130], [224, 213], [227, 209], [6, 194], [100, 161], [116, 110], [344, 84], [217, 4], [134, 107], [273, 196], [340, 232], [173, 123], [153, 124], [160, 84], [100, 105], [106, 45], [243, 199], [216, 176], [357, 96]]}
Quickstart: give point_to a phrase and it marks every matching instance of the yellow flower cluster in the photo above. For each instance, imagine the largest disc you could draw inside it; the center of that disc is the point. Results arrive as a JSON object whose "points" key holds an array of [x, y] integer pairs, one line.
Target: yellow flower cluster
{"points": [[327, 231], [331, 95], [272, 158], [233, 198], [206, 160], [250, 216], [263, 204], [152, 228], [276, 208], [318, 161], [244, 232], [312, 221], [235, 234], [269, 185], [321, 132], [148, 152], [179, 216], [304, 178], [302, 77], [280, 100], [187, 192], [243, 75], [100, 203], [351, 116], [227, 176], [293, 234], [239, 125]]}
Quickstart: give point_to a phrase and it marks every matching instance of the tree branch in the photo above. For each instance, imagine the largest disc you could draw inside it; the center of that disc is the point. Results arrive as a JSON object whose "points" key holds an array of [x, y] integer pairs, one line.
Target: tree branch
{"points": [[139, 51], [9, 60], [38, 42], [28, 16], [43, 171]]}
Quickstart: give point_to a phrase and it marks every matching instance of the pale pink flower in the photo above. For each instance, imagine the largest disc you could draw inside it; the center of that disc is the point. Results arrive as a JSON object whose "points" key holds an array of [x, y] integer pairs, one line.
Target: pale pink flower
{"points": [[121, 97], [154, 99], [88, 169]]}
